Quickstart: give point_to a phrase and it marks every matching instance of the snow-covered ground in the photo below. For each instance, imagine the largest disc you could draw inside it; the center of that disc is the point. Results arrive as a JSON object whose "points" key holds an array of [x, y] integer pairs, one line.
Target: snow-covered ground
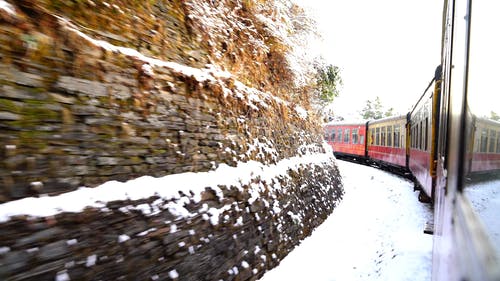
{"points": [[485, 200], [376, 233]]}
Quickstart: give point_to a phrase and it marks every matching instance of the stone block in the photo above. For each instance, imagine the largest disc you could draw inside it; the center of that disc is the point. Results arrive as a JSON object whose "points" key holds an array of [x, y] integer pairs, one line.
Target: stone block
{"points": [[79, 86], [107, 161], [53, 250], [9, 116]]}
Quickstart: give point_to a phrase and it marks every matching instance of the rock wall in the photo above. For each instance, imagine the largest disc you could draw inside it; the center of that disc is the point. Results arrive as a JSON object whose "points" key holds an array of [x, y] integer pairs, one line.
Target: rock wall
{"points": [[114, 244], [148, 88]]}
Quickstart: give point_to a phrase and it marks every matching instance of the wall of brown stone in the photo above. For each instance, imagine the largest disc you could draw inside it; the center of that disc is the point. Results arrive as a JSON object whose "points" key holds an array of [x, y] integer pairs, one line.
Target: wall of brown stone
{"points": [[116, 245], [75, 113]]}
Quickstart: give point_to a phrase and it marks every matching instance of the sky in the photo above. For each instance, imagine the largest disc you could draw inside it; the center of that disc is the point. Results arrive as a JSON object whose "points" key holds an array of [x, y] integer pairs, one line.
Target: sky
{"points": [[386, 48], [380, 241]]}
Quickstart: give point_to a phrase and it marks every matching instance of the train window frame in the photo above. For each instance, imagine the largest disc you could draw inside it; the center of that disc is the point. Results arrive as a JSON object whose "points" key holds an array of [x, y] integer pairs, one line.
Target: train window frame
{"points": [[383, 136], [415, 135], [333, 134], [492, 141], [396, 136], [389, 136], [377, 136], [339, 135], [412, 136], [426, 138], [354, 136], [361, 139], [372, 136], [347, 134], [420, 136], [483, 140], [498, 142]]}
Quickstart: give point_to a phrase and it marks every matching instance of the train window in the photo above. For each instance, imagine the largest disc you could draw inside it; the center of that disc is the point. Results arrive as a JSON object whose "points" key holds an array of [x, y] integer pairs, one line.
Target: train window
{"points": [[389, 136], [382, 136], [339, 135], [377, 136], [481, 179], [361, 139], [412, 137], [346, 135], [417, 137], [493, 140], [355, 136], [403, 137], [420, 136], [396, 136], [333, 135], [372, 136], [426, 135], [484, 140], [498, 142]]}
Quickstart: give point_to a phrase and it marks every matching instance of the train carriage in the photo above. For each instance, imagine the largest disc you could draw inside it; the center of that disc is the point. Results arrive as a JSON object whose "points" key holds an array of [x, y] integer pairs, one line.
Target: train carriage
{"points": [[422, 139], [484, 146], [346, 139], [387, 142], [450, 140]]}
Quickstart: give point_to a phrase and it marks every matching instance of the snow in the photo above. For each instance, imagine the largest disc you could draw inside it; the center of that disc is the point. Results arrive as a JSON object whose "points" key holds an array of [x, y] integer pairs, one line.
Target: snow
{"points": [[173, 274], [253, 97], [4, 250], [485, 200], [188, 183], [375, 233], [62, 276], [91, 260], [123, 237], [7, 7], [301, 111], [71, 242]]}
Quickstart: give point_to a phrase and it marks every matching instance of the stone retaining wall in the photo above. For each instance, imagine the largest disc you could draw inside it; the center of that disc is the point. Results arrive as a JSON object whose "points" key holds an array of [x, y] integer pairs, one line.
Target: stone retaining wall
{"points": [[78, 112], [122, 241]]}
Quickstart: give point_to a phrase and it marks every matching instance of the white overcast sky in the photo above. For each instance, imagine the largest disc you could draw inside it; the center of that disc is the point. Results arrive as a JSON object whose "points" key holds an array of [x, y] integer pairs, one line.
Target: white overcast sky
{"points": [[386, 48]]}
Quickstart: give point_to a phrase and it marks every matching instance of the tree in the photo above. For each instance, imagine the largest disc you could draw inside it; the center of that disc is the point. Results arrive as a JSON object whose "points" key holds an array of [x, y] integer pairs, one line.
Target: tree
{"points": [[328, 82], [494, 116], [374, 110], [389, 112]]}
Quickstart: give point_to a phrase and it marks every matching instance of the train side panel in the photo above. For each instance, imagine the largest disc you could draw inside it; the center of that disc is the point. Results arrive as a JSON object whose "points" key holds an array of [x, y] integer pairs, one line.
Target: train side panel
{"points": [[421, 142], [346, 139], [387, 139], [484, 155]]}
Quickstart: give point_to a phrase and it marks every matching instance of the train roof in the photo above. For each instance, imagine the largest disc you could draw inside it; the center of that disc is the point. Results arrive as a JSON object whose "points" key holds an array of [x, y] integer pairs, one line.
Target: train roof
{"points": [[488, 121], [346, 123], [388, 119]]}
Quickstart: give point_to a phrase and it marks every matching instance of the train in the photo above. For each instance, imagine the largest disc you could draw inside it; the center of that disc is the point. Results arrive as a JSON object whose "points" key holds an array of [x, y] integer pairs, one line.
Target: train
{"points": [[448, 144]]}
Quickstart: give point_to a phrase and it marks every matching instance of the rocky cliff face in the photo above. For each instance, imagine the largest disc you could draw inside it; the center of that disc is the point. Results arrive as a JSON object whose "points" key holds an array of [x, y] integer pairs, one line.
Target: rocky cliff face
{"points": [[93, 91]]}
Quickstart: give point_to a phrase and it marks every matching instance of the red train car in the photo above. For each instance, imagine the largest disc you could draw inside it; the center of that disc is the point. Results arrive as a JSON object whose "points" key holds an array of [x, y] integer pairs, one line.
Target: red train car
{"points": [[421, 144], [387, 142], [346, 139], [484, 149]]}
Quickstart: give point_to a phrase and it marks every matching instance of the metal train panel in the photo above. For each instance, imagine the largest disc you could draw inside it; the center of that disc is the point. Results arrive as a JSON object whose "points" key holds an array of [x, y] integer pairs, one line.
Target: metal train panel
{"points": [[419, 167], [346, 139], [387, 140], [484, 148]]}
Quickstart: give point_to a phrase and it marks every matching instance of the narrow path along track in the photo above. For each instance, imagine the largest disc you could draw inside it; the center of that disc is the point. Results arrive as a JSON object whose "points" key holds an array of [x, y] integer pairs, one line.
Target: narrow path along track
{"points": [[376, 233]]}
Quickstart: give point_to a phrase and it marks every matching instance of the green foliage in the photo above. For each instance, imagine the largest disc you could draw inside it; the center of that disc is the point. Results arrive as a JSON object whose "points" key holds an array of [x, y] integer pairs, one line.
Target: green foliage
{"points": [[328, 82], [494, 116], [374, 110]]}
